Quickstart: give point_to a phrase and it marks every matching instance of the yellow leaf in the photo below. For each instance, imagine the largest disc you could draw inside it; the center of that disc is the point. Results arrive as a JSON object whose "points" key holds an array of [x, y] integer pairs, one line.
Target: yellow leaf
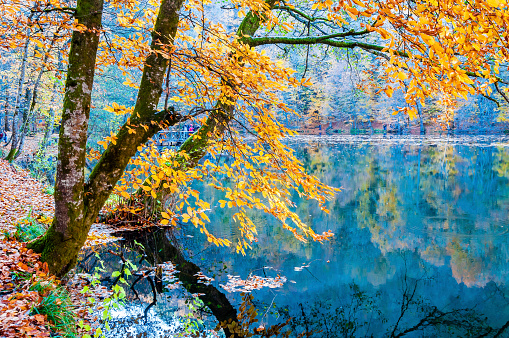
{"points": [[402, 76], [494, 3]]}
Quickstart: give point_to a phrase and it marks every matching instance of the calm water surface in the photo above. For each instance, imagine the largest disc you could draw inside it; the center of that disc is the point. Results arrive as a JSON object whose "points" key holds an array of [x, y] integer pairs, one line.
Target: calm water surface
{"points": [[421, 247]]}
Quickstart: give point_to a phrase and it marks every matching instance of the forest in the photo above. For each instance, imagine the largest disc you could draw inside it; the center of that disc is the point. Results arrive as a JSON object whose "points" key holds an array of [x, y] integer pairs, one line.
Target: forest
{"points": [[266, 131]]}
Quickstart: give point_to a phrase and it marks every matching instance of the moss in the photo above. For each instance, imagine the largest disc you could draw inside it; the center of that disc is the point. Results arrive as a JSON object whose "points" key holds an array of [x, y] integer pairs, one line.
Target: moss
{"points": [[60, 252], [11, 155]]}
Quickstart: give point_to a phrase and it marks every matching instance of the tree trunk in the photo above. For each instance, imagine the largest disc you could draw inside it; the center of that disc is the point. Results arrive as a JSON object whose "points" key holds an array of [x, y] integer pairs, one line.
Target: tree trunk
{"points": [[50, 122], [5, 123], [6, 111], [17, 99], [60, 244], [195, 148], [23, 130], [29, 106], [421, 120], [76, 204], [18, 132]]}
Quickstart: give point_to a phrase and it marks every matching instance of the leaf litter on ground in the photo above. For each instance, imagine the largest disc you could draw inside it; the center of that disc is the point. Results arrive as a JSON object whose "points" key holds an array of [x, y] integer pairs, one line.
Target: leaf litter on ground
{"points": [[20, 268]]}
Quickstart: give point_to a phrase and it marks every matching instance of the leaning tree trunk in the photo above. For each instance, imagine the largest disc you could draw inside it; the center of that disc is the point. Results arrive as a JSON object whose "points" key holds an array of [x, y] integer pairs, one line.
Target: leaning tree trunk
{"points": [[214, 127], [50, 122], [17, 99], [5, 122], [422, 128], [77, 204], [30, 102], [18, 132]]}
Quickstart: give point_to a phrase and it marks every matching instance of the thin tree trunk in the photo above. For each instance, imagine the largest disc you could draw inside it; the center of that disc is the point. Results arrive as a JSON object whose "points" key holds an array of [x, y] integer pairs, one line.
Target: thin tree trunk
{"points": [[18, 132], [421, 120], [17, 99], [23, 130], [6, 111], [31, 100], [50, 121]]}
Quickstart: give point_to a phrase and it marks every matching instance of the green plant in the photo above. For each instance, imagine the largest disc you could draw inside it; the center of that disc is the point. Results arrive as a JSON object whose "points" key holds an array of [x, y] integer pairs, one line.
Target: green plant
{"points": [[28, 229], [116, 297], [193, 325], [57, 306], [21, 275], [8, 235], [50, 190], [42, 167]]}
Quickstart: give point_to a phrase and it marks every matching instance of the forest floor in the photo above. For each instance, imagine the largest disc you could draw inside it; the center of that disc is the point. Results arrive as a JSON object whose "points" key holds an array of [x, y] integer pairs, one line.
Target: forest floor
{"points": [[25, 284]]}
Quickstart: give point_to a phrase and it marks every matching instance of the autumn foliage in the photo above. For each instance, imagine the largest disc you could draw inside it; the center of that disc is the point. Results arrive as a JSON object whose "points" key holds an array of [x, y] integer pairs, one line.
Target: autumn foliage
{"points": [[187, 67]]}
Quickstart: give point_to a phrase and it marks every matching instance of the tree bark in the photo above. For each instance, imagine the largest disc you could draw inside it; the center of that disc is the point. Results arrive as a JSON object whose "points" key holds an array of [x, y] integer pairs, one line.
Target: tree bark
{"points": [[17, 103], [60, 245], [77, 204], [23, 130], [6, 111], [213, 128]]}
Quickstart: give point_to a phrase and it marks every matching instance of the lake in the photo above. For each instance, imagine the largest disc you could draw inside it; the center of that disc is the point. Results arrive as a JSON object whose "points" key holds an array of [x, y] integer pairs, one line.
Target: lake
{"points": [[421, 249]]}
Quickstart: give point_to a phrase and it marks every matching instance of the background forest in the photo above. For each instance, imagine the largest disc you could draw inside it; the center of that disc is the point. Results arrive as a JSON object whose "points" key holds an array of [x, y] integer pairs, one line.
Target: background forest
{"points": [[343, 97]]}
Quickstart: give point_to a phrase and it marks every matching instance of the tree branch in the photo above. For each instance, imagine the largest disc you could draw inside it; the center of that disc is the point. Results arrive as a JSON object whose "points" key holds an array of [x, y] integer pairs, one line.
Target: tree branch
{"points": [[326, 40]]}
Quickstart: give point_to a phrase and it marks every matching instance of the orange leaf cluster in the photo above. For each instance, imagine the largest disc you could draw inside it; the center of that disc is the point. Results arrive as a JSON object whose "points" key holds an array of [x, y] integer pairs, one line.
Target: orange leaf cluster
{"points": [[16, 301], [253, 282], [18, 193]]}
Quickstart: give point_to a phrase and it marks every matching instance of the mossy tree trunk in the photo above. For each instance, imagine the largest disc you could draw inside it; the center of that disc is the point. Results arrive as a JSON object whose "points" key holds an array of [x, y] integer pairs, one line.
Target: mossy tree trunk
{"points": [[77, 203], [213, 128], [60, 245]]}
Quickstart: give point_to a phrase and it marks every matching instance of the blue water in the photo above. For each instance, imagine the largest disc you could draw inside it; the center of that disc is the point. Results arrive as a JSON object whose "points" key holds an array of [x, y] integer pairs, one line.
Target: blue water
{"points": [[421, 245]]}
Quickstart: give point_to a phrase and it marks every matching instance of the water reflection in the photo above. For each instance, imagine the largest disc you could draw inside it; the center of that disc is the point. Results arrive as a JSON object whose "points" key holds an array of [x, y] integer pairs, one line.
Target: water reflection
{"points": [[420, 246]]}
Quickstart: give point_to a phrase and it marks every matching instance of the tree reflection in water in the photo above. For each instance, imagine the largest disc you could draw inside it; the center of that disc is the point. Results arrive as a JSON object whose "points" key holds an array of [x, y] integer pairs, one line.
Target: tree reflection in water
{"points": [[420, 247], [360, 314]]}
